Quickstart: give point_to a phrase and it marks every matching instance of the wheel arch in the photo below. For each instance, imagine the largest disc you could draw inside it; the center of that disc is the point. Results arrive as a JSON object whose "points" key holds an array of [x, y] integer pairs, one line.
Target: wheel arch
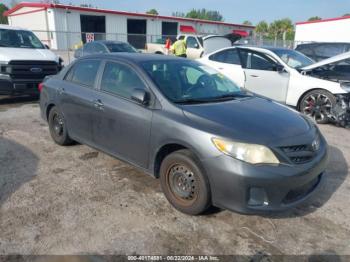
{"points": [[166, 150], [48, 109]]}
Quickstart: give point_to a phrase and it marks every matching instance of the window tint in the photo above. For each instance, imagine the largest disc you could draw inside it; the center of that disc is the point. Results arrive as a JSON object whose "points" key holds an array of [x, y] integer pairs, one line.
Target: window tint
{"points": [[227, 56], [191, 42], [329, 50], [99, 48], [257, 61], [85, 72], [120, 80], [89, 47]]}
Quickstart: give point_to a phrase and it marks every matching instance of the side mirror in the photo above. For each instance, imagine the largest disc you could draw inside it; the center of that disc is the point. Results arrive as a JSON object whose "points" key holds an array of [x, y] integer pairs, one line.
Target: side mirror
{"points": [[141, 96], [46, 46], [279, 68], [196, 45]]}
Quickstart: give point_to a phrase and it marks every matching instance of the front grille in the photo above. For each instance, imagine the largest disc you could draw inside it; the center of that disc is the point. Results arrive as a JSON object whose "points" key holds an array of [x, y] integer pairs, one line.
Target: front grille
{"points": [[299, 154], [302, 191], [32, 70]]}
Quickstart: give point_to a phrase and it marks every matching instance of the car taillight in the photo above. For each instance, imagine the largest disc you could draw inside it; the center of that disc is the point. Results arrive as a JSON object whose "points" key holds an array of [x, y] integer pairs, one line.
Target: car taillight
{"points": [[40, 86]]}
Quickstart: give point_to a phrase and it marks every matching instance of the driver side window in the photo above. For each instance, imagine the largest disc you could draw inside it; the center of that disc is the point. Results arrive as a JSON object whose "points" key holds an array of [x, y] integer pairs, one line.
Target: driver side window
{"points": [[191, 42], [257, 61]]}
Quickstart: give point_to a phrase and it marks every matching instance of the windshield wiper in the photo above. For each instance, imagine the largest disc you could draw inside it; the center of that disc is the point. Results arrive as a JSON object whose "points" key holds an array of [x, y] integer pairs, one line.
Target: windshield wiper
{"points": [[231, 96], [193, 101]]}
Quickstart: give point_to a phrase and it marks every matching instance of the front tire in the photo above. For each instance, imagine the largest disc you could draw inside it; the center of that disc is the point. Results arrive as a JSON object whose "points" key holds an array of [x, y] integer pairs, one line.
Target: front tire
{"points": [[58, 127], [184, 183], [318, 104]]}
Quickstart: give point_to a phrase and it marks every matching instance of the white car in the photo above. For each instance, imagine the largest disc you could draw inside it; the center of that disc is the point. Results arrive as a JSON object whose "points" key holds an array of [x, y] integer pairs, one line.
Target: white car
{"points": [[286, 76], [24, 61]]}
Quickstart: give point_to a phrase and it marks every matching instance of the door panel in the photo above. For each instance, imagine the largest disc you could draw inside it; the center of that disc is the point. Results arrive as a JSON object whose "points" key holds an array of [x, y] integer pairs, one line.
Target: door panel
{"points": [[228, 63], [262, 77], [121, 126], [194, 49], [76, 105], [76, 98], [271, 84]]}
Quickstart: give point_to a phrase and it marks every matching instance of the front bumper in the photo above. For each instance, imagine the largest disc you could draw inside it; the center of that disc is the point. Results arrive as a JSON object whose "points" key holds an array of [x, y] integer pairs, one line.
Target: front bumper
{"points": [[9, 86], [246, 188]]}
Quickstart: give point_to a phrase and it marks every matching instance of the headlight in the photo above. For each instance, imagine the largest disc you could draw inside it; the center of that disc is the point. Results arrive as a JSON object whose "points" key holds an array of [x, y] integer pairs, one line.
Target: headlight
{"points": [[4, 68], [345, 86], [250, 153]]}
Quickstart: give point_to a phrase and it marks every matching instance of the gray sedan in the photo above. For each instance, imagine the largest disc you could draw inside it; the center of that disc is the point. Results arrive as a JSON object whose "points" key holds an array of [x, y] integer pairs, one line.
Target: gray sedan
{"points": [[208, 141], [104, 47]]}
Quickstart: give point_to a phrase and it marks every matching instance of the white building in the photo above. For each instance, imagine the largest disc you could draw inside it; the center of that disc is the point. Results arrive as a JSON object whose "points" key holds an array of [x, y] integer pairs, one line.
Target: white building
{"points": [[51, 22], [327, 30]]}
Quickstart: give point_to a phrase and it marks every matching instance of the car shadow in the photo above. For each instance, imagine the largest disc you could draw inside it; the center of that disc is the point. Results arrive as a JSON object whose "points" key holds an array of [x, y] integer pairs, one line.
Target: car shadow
{"points": [[18, 166], [333, 178], [18, 100]]}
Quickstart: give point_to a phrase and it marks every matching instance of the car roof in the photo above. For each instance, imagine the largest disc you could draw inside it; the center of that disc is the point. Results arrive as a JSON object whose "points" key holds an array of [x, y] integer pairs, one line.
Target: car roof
{"points": [[109, 42]]}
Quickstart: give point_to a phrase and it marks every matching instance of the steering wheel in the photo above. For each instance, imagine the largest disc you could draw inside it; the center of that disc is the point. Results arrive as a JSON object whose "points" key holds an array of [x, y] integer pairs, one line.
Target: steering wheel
{"points": [[204, 82]]}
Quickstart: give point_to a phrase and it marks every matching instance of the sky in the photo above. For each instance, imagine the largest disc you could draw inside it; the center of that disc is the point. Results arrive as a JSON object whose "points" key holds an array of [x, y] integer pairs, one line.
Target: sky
{"points": [[233, 11]]}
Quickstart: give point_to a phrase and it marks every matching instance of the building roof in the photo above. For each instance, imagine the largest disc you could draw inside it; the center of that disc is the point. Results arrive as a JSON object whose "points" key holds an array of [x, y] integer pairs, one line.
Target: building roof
{"points": [[108, 11], [323, 20]]}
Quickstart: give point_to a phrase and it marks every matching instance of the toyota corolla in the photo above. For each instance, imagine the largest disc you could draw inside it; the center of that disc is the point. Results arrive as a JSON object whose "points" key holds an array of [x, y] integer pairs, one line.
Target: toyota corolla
{"points": [[208, 141]]}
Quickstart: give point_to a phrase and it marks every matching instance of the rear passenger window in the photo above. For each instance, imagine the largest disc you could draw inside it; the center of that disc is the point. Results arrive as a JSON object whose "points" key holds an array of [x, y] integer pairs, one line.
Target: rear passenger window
{"points": [[120, 80], [227, 56], [84, 72]]}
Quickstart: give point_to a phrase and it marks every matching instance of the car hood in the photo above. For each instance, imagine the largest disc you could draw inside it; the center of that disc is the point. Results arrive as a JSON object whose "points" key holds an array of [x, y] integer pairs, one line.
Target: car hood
{"points": [[253, 120], [327, 61], [8, 54]]}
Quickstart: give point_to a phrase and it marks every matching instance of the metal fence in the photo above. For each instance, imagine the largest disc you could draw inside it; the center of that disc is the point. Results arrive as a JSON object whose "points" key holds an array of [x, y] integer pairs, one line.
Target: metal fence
{"points": [[65, 43]]}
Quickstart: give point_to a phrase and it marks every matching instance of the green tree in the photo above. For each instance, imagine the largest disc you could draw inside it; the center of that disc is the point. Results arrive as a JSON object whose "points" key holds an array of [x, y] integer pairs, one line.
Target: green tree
{"points": [[314, 18], [205, 14], [247, 22], [3, 19], [262, 28], [152, 12], [178, 14]]}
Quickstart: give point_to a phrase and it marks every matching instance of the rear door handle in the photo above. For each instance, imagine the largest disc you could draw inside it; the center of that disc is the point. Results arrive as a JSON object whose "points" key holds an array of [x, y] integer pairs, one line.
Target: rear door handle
{"points": [[254, 76], [98, 104], [61, 90]]}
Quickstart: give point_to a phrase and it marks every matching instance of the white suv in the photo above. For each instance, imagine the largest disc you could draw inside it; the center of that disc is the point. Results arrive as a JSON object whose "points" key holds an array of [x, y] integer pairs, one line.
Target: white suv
{"points": [[286, 76], [24, 61]]}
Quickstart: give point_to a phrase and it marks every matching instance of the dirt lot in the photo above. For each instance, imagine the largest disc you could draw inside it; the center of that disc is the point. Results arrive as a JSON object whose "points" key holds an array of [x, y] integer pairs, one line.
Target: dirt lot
{"points": [[75, 200]]}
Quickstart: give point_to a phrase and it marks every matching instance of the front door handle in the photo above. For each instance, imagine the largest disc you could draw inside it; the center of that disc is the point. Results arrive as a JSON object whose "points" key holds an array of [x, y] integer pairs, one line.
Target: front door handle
{"points": [[98, 104], [254, 76]]}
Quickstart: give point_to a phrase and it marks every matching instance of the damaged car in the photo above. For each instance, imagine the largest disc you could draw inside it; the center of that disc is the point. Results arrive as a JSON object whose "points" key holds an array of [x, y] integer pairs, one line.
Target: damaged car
{"points": [[288, 77]]}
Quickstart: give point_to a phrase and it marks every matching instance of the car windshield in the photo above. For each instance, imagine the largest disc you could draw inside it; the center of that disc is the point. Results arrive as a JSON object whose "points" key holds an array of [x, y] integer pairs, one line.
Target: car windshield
{"points": [[183, 81], [19, 39], [120, 47], [293, 58]]}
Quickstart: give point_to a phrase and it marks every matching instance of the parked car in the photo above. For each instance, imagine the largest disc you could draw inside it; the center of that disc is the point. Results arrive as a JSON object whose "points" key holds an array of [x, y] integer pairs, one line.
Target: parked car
{"points": [[321, 51], [24, 61], [197, 46], [208, 141], [286, 76], [104, 47]]}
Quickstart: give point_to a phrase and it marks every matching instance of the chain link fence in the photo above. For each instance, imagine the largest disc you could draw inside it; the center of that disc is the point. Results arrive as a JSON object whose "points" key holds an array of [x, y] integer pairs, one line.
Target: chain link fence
{"points": [[65, 44]]}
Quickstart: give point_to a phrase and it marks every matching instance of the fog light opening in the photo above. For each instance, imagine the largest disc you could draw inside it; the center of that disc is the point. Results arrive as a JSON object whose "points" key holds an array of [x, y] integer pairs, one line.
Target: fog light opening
{"points": [[257, 197]]}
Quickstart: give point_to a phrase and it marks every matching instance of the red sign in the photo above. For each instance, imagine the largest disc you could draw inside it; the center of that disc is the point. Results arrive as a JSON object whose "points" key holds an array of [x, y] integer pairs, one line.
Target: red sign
{"points": [[90, 37]]}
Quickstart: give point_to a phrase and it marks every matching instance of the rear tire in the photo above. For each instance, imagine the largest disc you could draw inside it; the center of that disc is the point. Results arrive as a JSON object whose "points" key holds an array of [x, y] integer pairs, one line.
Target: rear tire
{"points": [[184, 183], [58, 127], [318, 104]]}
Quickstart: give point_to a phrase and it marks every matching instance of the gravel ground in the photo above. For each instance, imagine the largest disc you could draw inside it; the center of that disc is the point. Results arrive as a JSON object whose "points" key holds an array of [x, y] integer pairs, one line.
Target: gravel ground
{"points": [[75, 200]]}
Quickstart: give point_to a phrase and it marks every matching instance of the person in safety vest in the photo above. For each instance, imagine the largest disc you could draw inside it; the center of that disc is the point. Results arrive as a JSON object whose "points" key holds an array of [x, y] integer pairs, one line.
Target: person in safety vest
{"points": [[179, 48]]}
